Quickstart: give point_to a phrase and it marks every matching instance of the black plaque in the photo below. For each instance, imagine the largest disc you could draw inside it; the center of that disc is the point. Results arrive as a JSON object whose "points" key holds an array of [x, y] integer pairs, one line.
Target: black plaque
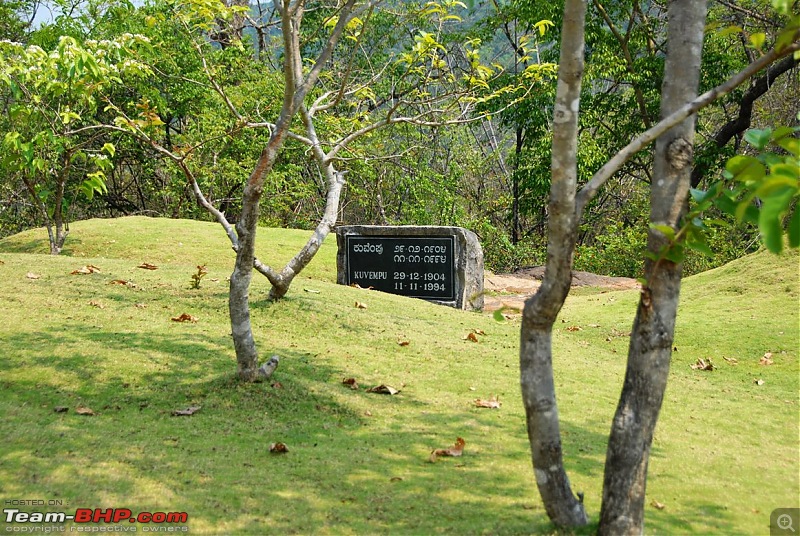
{"points": [[419, 267]]}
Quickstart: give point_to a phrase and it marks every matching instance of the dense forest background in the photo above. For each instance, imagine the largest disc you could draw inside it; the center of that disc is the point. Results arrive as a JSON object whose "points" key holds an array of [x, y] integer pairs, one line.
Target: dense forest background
{"points": [[483, 163]]}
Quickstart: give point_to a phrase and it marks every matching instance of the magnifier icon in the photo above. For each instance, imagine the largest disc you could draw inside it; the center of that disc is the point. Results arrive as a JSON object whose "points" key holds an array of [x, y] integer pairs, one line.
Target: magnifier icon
{"points": [[785, 522]]}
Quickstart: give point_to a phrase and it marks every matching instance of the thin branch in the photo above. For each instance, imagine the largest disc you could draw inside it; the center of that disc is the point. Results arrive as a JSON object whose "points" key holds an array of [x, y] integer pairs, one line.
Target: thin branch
{"points": [[615, 163]]}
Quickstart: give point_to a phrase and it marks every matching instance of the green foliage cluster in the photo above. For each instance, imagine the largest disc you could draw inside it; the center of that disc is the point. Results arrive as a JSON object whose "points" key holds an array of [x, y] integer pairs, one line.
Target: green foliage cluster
{"points": [[491, 175]]}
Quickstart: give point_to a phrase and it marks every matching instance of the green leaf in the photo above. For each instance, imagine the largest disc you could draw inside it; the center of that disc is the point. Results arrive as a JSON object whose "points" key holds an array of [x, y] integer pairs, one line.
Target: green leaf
{"points": [[746, 168], [783, 7], [769, 221], [698, 195], [700, 245], [498, 316], [758, 138], [757, 40], [794, 229], [666, 230]]}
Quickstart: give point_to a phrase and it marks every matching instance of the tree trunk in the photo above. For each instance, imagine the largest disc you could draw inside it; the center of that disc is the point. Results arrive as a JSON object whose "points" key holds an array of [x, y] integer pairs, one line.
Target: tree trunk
{"points": [[295, 90], [238, 300], [650, 348], [539, 314]]}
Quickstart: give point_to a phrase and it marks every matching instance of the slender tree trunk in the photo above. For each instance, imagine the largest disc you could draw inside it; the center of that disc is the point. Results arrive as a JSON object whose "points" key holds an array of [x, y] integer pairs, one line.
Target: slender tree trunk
{"points": [[295, 90], [539, 314], [654, 326], [238, 300]]}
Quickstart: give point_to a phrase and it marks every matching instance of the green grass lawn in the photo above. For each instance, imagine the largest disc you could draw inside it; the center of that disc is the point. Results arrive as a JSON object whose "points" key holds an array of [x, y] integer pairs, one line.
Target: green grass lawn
{"points": [[726, 451]]}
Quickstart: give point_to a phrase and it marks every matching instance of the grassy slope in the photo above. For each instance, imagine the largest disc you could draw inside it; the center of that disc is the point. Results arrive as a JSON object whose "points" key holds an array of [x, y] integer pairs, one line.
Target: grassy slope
{"points": [[725, 452]]}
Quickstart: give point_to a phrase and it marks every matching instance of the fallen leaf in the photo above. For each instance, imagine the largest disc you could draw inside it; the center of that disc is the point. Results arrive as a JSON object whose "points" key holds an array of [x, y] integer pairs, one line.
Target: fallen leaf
{"points": [[88, 269], [359, 305], [730, 360], [95, 303], [277, 385], [311, 290], [471, 337], [123, 283], [574, 328], [148, 266], [594, 325], [2, 263], [351, 382], [758, 381], [368, 413], [61, 409], [278, 448], [657, 505], [191, 410], [403, 342], [83, 410], [766, 359], [31, 275], [477, 331], [383, 389], [185, 317], [702, 364], [396, 479], [455, 450], [492, 403], [141, 305]]}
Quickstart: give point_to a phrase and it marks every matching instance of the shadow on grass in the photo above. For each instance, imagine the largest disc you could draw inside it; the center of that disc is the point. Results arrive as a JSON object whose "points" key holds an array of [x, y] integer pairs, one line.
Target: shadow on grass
{"points": [[345, 471]]}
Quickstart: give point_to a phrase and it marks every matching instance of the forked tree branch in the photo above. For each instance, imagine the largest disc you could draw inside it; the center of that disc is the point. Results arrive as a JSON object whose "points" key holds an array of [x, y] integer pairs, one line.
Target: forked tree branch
{"points": [[587, 193]]}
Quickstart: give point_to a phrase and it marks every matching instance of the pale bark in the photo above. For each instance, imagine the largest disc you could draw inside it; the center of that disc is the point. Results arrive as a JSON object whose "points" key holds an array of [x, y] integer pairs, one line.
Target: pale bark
{"points": [[296, 87], [540, 311], [654, 326]]}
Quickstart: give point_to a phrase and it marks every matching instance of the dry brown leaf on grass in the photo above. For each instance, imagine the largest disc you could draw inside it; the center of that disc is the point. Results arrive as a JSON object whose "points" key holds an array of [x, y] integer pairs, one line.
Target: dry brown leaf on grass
{"points": [[356, 285], [702, 364], [185, 317], [766, 359], [83, 410], [61, 409], [574, 328], [350, 382], [492, 403], [758, 381], [471, 337], [455, 450], [191, 410], [278, 448], [123, 283], [730, 360], [95, 303], [88, 269], [31, 275], [657, 505], [148, 266], [359, 305], [403, 342], [383, 389]]}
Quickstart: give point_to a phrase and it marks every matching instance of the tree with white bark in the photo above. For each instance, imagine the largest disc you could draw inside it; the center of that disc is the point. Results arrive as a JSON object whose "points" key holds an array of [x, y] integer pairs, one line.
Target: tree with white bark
{"points": [[650, 348], [427, 83]]}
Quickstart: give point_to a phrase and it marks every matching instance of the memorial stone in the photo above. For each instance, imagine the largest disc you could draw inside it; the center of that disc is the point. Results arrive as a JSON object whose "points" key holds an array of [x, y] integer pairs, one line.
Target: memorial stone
{"points": [[440, 264]]}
